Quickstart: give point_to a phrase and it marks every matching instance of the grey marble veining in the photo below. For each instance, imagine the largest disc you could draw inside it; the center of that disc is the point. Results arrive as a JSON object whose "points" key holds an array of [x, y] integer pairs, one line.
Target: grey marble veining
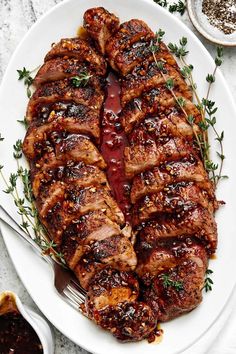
{"points": [[16, 17]]}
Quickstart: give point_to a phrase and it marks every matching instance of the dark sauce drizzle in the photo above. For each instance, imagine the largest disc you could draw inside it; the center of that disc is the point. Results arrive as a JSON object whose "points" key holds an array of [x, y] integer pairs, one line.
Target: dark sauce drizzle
{"points": [[113, 144]]}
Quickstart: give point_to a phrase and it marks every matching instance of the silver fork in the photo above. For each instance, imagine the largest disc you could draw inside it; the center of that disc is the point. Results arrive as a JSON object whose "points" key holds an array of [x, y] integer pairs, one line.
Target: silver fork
{"points": [[65, 281]]}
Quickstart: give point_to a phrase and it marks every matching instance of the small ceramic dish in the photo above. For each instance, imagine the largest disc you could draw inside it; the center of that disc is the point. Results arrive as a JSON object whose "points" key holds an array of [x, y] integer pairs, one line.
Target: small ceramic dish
{"points": [[10, 302], [203, 26]]}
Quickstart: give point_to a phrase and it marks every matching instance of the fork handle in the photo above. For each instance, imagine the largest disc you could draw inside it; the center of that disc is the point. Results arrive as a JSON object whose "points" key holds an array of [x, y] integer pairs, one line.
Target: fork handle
{"points": [[9, 221]]}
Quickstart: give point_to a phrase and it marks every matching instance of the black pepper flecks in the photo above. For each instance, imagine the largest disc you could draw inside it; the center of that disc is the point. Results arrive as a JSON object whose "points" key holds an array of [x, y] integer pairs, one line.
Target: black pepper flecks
{"points": [[221, 14]]}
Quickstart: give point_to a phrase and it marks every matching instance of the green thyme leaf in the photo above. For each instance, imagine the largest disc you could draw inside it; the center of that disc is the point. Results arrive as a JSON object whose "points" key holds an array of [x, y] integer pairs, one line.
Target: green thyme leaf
{"points": [[208, 281], [168, 282], [162, 3], [181, 101], [81, 80], [25, 75], [179, 6], [170, 83], [17, 149], [190, 119], [210, 78], [23, 122]]}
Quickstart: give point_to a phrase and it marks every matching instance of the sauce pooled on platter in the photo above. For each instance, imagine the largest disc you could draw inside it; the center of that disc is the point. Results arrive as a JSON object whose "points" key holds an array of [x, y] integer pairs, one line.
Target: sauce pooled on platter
{"points": [[113, 144]]}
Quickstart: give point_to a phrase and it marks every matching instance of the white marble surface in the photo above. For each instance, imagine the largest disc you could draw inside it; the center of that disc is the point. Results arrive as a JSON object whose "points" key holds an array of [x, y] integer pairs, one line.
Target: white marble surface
{"points": [[16, 17]]}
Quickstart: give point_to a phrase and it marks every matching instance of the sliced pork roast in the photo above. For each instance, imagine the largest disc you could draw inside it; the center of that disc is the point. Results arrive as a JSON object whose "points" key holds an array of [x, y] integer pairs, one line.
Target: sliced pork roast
{"points": [[130, 288]]}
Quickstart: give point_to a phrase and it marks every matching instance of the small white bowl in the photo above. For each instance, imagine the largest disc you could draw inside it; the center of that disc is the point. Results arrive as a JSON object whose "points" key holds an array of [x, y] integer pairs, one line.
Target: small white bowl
{"points": [[41, 327], [203, 26]]}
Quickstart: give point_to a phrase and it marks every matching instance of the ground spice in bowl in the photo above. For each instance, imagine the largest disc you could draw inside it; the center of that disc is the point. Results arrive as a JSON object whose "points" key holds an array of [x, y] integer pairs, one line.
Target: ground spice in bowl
{"points": [[221, 14]]}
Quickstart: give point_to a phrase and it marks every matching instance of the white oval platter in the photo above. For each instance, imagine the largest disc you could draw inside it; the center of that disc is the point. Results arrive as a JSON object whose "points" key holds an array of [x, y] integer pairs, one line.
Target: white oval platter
{"points": [[63, 21]]}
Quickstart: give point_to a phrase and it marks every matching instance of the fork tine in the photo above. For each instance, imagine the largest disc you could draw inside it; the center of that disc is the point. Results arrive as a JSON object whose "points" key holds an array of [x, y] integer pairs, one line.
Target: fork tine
{"points": [[69, 291], [77, 295], [70, 301], [78, 288]]}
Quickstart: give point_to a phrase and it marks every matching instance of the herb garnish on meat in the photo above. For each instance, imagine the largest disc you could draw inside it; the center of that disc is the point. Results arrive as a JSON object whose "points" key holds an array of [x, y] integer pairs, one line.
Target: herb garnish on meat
{"points": [[168, 282], [81, 80], [206, 107]]}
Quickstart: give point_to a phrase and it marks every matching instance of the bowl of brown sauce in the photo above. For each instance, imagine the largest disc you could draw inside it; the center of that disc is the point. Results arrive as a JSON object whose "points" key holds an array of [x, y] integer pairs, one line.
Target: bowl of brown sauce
{"points": [[21, 329]]}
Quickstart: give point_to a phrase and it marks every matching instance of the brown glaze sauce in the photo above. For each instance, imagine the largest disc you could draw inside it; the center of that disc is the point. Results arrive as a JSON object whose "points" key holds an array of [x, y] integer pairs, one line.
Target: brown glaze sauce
{"points": [[156, 336], [17, 336], [82, 33], [113, 144]]}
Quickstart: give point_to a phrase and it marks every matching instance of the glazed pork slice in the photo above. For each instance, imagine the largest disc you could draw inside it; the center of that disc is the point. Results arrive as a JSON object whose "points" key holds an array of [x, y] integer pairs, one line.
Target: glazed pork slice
{"points": [[79, 49], [50, 193], [59, 69], [158, 101], [157, 256], [47, 112], [100, 24], [186, 169], [145, 153], [132, 114], [115, 251], [161, 127], [70, 173], [110, 287], [172, 199], [129, 321], [37, 135], [196, 221], [132, 44], [49, 196], [141, 51], [94, 226], [148, 76], [73, 202], [64, 90], [111, 303], [177, 291], [129, 33], [62, 148]]}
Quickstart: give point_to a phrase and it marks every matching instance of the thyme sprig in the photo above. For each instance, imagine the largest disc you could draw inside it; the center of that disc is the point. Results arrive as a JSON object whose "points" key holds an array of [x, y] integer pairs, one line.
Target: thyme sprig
{"points": [[81, 80], [168, 282], [25, 75], [24, 122], [155, 43], [205, 106], [179, 6], [26, 207], [17, 147], [162, 3], [179, 100], [48, 248], [208, 282]]}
